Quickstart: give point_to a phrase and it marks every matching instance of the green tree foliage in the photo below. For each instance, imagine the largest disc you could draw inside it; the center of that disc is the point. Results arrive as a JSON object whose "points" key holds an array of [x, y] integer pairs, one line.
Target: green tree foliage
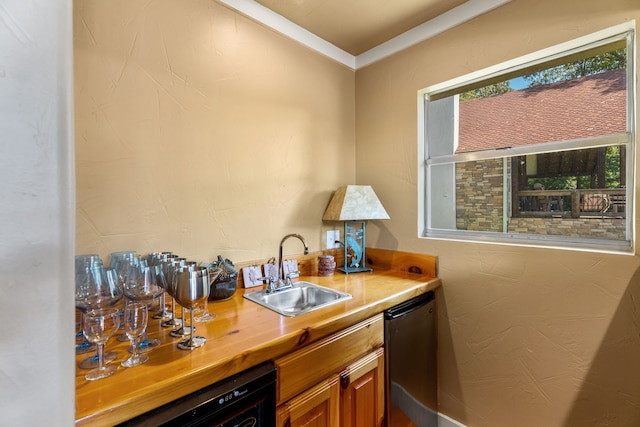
{"points": [[483, 92], [612, 168], [608, 61]]}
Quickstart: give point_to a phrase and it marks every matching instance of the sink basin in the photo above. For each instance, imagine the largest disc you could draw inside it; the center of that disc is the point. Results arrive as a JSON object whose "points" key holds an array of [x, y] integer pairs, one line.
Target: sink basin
{"points": [[302, 298]]}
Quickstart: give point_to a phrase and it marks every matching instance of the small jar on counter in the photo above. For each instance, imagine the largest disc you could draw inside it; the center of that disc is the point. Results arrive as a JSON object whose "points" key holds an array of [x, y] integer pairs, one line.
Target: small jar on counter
{"points": [[326, 265]]}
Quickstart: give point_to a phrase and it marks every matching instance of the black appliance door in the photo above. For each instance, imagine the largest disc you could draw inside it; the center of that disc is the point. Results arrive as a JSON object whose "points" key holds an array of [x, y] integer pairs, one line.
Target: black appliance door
{"points": [[243, 400]]}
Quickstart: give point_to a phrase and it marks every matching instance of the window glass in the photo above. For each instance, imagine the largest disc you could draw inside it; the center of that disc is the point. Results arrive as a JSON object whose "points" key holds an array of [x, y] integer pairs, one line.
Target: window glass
{"points": [[540, 154]]}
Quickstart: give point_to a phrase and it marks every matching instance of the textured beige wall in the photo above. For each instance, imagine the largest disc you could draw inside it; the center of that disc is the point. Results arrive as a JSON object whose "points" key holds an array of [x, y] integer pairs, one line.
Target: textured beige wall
{"points": [[201, 132], [528, 337]]}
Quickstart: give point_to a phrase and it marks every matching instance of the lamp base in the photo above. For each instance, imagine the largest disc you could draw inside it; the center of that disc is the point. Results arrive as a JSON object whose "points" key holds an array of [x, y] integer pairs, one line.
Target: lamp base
{"points": [[347, 270], [355, 260]]}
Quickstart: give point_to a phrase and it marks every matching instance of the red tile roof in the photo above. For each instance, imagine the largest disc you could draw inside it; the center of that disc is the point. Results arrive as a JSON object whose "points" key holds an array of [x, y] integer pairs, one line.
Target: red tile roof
{"points": [[578, 108]]}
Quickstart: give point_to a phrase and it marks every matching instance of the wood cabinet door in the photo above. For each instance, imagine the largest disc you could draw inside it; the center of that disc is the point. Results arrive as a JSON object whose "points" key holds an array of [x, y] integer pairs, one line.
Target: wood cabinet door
{"points": [[362, 392], [317, 407], [303, 369]]}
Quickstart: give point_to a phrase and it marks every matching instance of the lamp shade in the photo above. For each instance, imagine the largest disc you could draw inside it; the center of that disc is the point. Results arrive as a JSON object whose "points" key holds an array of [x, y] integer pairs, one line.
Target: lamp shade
{"points": [[354, 202]]}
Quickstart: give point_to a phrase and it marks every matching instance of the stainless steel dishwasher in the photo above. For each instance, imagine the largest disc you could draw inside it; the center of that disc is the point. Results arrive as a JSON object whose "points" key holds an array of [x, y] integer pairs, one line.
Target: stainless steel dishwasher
{"points": [[410, 363]]}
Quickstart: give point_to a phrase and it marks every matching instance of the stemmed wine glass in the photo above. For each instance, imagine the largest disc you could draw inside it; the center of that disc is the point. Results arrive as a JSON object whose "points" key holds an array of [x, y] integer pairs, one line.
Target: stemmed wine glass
{"points": [[98, 325], [182, 329], [156, 276], [205, 316], [141, 285], [119, 262], [169, 264], [118, 258], [156, 259], [83, 261], [135, 323], [192, 287], [96, 289]]}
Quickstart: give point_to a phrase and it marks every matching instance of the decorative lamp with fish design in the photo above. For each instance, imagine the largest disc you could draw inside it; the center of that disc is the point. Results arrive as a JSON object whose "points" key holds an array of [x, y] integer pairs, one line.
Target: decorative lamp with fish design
{"points": [[355, 205]]}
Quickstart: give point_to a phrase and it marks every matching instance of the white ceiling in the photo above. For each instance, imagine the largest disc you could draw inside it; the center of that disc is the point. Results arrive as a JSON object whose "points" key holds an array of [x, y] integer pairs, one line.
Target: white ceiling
{"points": [[359, 32]]}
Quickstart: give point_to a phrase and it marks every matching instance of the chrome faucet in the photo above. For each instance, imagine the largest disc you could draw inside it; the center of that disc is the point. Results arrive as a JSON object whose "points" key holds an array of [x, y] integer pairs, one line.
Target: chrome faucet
{"points": [[278, 283], [281, 281]]}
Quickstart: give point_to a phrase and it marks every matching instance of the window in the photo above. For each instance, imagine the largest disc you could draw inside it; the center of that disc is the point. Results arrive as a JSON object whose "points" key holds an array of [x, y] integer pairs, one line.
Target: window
{"points": [[536, 151]]}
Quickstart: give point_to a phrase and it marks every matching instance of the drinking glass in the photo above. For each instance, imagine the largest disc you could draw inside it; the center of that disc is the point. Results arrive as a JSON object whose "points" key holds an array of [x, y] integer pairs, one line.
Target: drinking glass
{"points": [[142, 285], [192, 287], [169, 264], [135, 324], [205, 316], [98, 325], [87, 260], [117, 258], [95, 288], [83, 346], [119, 262], [182, 329], [82, 262], [156, 260]]}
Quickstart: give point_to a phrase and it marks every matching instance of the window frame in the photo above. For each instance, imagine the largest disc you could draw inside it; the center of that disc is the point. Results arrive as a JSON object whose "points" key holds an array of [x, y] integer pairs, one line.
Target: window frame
{"points": [[504, 71]]}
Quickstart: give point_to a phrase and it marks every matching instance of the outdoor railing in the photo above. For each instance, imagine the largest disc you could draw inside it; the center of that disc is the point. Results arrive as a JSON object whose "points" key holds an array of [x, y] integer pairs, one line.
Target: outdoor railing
{"points": [[602, 202]]}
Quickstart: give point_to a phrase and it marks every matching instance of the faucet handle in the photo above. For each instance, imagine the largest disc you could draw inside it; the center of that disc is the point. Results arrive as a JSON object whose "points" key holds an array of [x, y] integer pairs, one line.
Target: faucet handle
{"points": [[269, 281], [289, 276]]}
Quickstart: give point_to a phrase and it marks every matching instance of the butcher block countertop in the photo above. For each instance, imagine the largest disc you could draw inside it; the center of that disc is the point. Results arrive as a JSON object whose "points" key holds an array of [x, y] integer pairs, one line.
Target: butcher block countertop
{"points": [[245, 334]]}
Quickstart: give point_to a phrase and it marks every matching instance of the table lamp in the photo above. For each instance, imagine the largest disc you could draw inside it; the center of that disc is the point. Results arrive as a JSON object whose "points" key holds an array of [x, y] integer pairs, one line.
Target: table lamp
{"points": [[354, 204]]}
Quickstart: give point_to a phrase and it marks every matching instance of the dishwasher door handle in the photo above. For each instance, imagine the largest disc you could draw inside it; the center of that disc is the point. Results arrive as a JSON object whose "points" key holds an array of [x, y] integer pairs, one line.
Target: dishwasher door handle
{"points": [[409, 306]]}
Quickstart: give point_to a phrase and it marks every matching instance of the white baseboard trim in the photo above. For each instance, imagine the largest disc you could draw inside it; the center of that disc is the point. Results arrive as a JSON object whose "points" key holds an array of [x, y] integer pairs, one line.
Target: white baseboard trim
{"points": [[444, 421]]}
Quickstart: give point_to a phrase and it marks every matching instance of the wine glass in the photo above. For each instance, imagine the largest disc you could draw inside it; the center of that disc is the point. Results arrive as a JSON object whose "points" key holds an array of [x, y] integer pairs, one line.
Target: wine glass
{"points": [[96, 288], [87, 260], [156, 276], [135, 324], [119, 262], [205, 316], [169, 263], [119, 257], [182, 328], [98, 325], [83, 261], [192, 287], [141, 285], [156, 259]]}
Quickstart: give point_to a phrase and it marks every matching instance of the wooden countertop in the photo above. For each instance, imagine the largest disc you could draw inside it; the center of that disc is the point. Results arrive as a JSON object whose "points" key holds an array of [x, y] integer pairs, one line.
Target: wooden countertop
{"points": [[243, 335]]}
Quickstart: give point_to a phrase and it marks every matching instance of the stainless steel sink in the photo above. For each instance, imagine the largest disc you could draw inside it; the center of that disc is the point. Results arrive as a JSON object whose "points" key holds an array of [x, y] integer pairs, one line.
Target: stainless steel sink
{"points": [[303, 297]]}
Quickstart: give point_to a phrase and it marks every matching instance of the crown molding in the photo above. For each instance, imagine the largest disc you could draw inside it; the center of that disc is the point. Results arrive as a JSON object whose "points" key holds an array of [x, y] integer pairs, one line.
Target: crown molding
{"points": [[422, 32], [446, 21], [282, 25]]}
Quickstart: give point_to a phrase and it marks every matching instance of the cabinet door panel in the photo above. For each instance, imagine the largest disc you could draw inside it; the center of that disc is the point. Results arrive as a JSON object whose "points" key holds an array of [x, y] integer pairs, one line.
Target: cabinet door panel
{"points": [[317, 407], [362, 394], [306, 367]]}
